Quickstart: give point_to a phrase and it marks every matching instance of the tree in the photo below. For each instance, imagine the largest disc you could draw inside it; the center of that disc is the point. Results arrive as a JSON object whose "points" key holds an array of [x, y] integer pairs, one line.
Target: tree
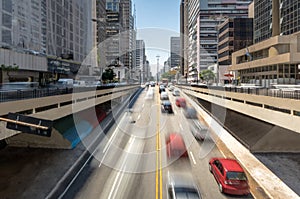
{"points": [[9, 68], [108, 75], [207, 75]]}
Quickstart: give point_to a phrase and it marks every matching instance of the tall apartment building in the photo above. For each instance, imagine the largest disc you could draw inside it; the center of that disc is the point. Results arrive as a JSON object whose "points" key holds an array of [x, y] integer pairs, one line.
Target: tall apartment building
{"points": [[234, 34], [23, 24], [100, 20], [288, 14], [184, 41], [212, 14], [128, 34], [119, 32], [67, 28], [140, 56], [175, 51]]}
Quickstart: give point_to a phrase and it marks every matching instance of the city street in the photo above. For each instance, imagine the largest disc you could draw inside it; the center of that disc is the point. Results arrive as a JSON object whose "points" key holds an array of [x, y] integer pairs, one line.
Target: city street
{"points": [[130, 166]]}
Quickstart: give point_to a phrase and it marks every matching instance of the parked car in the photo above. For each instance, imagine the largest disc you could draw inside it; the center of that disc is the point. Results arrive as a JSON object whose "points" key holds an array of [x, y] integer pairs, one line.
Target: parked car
{"points": [[164, 96], [180, 102], [229, 175], [181, 186], [176, 92], [166, 107], [175, 146]]}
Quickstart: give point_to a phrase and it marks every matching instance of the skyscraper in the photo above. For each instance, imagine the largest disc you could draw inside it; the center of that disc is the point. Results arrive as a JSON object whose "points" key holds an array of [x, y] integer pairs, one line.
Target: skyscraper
{"points": [[119, 33], [212, 14], [175, 51], [23, 24], [288, 14]]}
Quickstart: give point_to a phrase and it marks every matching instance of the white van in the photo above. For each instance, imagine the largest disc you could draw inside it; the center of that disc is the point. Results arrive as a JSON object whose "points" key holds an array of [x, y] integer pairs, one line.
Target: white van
{"points": [[65, 83]]}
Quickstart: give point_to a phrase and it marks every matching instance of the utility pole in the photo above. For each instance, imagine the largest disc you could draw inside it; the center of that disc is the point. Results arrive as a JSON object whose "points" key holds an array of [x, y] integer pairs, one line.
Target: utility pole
{"points": [[157, 68]]}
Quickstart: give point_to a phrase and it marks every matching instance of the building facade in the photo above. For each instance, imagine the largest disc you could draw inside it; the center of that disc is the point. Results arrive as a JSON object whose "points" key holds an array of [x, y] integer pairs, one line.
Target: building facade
{"points": [[55, 35], [184, 41], [175, 52], [234, 34], [274, 59], [100, 20], [120, 35], [212, 14], [23, 24], [288, 14], [140, 58]]}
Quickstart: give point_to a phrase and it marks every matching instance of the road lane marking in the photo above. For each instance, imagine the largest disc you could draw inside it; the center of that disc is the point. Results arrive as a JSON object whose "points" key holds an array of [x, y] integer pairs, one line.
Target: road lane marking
{"points": [[192, 156], [222, 153], [111, 138], [181, 127], [158, 172], [121, 173], [143, 105], [139, 117]]}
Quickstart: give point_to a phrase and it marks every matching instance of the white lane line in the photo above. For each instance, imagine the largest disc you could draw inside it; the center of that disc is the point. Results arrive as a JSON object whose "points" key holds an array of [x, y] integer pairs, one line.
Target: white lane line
{"points": [[139, 117], [120, 174], [181, 127], [143, 105], [109, 141], [192, 156], [222, 153], [112, 137]]}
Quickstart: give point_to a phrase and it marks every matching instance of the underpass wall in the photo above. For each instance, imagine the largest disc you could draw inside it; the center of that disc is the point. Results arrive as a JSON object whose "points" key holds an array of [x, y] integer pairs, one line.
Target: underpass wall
{"points": [[257, 135], [74, 126]]}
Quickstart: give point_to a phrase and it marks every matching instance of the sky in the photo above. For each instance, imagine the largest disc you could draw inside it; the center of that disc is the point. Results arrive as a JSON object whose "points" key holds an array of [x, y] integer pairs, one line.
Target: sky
{"points": [[156, 22]]}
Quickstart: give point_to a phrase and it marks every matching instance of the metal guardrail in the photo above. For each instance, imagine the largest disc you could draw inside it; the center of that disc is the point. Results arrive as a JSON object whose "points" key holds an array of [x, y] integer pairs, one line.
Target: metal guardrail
{"points": [[14, 95], [254, 91]]}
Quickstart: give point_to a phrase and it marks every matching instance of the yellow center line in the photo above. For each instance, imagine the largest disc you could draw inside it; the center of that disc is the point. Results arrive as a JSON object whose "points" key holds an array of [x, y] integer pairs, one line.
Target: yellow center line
{"points": [[158, 158]]}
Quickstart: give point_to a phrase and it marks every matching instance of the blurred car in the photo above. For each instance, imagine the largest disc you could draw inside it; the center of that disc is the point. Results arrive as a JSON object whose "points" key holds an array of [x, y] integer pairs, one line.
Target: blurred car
{"points": [[229, 175], [175, 146], [162, 88], [164, 96], [190, 113], [170, 87], [180, 102], [166, 107], [181, 186], [176, 92], [198, 129], [149, 94], [152, 84]]}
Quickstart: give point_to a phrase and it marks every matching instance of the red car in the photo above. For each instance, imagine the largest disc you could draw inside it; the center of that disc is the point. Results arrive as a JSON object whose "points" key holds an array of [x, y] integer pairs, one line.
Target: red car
{"points": [[175, 146], [180, 102], [229, 175]]}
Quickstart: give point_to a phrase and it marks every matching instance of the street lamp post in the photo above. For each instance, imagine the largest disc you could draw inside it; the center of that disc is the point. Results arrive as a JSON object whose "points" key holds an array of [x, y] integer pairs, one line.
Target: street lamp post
{"points": [[157, 67]]}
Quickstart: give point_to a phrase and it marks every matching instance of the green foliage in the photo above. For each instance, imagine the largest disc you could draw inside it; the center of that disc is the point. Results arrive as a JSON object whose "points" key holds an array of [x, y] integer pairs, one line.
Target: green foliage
{"points": [[108, 75], [9, 68], [207, 75], [168, 75]]}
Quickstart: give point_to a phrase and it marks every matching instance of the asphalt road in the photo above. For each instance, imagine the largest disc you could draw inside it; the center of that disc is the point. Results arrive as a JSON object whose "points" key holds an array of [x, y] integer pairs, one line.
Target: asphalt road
{"points": [[132, 161]]}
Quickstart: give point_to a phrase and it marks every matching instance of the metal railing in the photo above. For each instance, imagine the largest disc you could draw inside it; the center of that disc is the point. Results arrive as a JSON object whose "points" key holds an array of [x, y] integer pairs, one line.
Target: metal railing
{"points": [[255, 91], [13, 95]]}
